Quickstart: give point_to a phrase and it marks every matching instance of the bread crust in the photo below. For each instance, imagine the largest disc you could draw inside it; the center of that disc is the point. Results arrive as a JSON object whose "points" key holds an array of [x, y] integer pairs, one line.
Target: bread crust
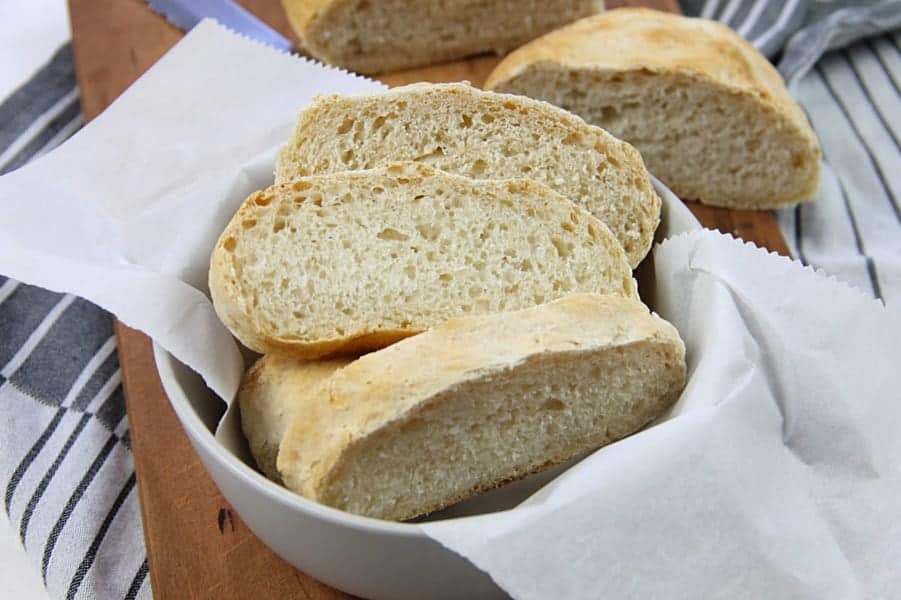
{"points": [[653, 42], [315, 21], [271, 392], [381, 392], [644, 205], [234, 299]]}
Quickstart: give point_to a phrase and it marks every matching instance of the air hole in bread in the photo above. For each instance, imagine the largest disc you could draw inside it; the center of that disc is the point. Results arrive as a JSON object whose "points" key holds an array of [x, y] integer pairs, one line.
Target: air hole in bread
{"points": [[466, 121], [553, 404], [230, 244], [478, 168], [609, 113], [392, 234], [346, 126], [262, 200], [560, 246], [574, 139], [278, 225], [248, 223], [428, 231], [487, 118]]}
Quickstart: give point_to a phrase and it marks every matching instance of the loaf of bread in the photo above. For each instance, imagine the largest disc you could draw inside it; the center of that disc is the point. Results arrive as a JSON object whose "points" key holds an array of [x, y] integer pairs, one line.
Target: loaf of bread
{"points": [[353, 261], [482, 135], [272, 391], [710, 115], [478, 401], [372, 36]]}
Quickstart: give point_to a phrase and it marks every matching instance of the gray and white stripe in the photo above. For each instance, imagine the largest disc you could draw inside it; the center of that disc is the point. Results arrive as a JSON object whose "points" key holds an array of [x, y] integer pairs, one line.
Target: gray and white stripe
{"points": [[66, 473]]}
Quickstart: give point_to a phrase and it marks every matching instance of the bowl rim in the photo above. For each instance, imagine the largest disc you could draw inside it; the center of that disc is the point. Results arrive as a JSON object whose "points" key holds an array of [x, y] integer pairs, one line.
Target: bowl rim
{"points": [[201, 436]]}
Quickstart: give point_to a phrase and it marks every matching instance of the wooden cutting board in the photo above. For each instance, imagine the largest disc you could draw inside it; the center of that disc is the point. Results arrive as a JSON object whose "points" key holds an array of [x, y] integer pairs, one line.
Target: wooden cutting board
{"points": [[197, 547]]}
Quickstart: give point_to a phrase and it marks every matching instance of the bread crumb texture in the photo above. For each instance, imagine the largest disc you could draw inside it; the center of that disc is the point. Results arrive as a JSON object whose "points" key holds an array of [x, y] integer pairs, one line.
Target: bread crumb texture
{"points": [[709, 114], [478, 401], [481, 135], [372, 36], [353, 261]]}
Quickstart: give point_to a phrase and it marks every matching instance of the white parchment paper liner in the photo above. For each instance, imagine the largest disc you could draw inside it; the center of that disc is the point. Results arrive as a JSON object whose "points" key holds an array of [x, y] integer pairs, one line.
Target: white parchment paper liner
{"points": [[776, 475]]}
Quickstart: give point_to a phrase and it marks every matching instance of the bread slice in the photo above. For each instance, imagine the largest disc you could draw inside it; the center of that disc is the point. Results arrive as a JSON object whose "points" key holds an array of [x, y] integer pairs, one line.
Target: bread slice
{"points": [[272, 391], [350, 262], [479, 401], [710, 115], [460, 129], [387, 35]]}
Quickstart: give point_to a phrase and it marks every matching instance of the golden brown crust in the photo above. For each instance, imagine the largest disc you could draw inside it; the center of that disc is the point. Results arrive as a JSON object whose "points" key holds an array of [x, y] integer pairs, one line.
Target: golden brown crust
{"points": [[271, 392], [234, 300], [295, 157], [641, 38], [447, 358], [316, 23], [652, 42], [301, 13]]}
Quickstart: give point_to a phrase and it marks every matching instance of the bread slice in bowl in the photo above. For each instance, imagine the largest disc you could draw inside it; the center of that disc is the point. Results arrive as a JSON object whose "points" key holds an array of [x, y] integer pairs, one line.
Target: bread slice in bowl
{"points": [[353, 261], [482, 135], [478, 401]]}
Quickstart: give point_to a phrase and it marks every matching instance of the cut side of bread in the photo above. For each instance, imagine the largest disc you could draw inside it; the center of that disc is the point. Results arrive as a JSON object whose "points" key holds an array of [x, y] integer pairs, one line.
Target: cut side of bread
{"points": [[710, 115], [479, 401], [462, 130], [372, 36], [350, 262], [272, 391]]}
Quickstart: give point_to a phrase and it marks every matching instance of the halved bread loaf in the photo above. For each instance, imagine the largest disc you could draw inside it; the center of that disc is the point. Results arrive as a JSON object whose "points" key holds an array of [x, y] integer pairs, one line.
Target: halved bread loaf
{"points": [[272, 391], [710, 115], [459, 129], [372, 36], [354, 261], [478, 401]]}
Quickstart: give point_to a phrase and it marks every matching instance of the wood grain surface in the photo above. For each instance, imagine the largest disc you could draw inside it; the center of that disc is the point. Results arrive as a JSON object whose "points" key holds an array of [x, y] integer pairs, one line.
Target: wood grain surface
{"points": [[197, 547]]}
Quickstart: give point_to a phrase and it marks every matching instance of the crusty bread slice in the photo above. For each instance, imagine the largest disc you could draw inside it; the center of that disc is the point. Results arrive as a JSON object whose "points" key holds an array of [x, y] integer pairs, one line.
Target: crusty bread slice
{"points": [[372, 36], [460, 129], [708, 112], [354, 261], [272, 391], [478, 401]]}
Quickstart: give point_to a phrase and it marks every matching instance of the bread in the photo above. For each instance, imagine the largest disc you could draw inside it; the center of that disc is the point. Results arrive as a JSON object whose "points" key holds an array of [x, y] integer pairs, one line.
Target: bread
{"points": [[372, 36], [272, 391], [350, 262], [478, 401], [460, 129], [711, 117]]}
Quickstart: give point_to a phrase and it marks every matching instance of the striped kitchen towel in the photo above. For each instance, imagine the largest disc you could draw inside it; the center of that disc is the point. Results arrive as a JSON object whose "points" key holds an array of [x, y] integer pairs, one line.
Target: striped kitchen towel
{"points": [[66, 469], [842, 63]]}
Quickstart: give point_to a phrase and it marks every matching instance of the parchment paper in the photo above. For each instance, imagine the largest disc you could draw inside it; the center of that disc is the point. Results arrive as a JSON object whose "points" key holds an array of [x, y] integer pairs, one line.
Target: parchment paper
{"points": [[776, 475]]}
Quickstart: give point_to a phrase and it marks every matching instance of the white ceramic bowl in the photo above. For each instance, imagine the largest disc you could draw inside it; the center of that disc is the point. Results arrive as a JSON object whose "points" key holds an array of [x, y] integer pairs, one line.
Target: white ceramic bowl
{"points": [[362, 556]]}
